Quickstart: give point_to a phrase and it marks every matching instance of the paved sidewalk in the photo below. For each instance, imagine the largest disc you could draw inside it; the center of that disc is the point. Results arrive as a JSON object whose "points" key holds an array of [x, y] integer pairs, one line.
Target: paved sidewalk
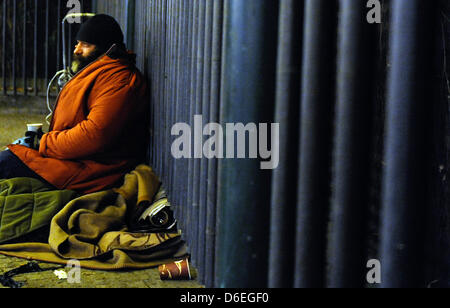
{"points": [[16, 113], [91, 279]]}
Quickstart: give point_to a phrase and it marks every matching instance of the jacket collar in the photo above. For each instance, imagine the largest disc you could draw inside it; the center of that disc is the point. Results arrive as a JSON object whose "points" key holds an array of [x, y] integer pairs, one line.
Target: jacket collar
{"points": [[119, 52]]}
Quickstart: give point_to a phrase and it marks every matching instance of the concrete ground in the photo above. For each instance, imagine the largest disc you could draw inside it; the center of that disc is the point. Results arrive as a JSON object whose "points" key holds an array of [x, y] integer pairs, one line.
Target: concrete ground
{"points": [[14, 115], [90, 279]]}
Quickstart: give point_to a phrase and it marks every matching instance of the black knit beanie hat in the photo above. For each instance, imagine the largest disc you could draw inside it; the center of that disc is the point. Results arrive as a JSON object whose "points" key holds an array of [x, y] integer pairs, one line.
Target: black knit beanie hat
{"points": [[101, 30]]}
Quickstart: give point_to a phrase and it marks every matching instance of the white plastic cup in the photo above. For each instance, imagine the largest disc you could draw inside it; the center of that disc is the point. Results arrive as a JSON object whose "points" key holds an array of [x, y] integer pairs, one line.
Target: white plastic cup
{"points": [[34, 127]]}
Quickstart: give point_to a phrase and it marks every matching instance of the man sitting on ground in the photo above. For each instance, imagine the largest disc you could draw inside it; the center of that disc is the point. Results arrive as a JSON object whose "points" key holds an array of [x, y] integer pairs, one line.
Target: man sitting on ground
{"points": [[99, 128]]}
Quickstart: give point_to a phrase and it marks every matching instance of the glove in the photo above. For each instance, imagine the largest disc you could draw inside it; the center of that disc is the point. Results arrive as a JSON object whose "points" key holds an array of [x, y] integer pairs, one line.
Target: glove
{"points": [[31, 140]]}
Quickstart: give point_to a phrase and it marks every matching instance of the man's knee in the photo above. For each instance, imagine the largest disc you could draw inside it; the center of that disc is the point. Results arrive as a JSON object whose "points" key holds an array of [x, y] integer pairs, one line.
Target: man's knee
{"points": [[10, 165], [5, 162], [5, 156]]}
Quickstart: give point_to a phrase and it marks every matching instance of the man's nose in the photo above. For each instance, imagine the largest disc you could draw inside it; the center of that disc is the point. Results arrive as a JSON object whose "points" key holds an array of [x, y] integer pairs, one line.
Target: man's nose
{"points": [[78, 50]]}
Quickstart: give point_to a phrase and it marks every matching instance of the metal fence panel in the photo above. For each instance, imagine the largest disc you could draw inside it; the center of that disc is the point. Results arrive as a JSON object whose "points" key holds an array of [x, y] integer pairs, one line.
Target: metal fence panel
{"points": [[31, 49], [320, 70]]}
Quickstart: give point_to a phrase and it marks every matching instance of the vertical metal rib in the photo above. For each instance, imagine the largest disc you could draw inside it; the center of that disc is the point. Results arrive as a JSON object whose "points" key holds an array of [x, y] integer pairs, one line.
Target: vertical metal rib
{"points": [[161, 79], [24, 51], [163, 100], [347, 257], [47, 34], [248, 91], [14, 47], [206, 107], [35, 49], [403, 187], [211, 201], [4, 12], [178, 179], [192, 110], [315, 142], [197, 109], [186, 108], [58, 36], [281, 251], [168, 93], [174, 100]]}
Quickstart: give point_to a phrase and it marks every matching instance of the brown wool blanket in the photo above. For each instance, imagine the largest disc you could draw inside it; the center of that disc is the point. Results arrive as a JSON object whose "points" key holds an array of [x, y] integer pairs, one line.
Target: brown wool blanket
{"points": [[92, 229]]}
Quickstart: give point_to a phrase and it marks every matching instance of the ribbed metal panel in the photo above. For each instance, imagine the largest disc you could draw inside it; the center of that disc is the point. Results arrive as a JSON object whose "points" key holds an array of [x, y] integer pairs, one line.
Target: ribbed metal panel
{"points": [[349, 97]]}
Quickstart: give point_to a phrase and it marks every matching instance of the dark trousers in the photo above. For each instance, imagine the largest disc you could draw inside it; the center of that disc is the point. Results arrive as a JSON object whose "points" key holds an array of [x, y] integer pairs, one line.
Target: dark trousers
{"points": [[12, 167]]}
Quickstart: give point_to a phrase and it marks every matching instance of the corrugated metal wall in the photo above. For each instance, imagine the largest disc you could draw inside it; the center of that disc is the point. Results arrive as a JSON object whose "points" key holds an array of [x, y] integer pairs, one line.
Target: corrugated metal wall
{"points": [[364, 116]]}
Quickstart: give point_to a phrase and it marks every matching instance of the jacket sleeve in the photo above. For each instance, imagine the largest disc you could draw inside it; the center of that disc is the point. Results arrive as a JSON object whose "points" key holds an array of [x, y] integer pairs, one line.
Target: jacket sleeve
{"points": [[107, 115]]}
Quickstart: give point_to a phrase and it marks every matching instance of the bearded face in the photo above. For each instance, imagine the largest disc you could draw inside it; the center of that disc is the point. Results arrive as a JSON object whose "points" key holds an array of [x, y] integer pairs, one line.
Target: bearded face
{"points": [[83, 55]]}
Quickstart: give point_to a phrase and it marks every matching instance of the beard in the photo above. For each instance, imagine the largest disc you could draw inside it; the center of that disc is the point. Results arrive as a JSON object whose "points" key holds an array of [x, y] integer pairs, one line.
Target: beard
{"points": [[80, 62]]}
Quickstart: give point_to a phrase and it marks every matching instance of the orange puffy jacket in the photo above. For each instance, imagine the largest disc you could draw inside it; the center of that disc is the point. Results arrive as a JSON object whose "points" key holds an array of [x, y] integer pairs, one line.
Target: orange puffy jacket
{"points": [[99, 129]]}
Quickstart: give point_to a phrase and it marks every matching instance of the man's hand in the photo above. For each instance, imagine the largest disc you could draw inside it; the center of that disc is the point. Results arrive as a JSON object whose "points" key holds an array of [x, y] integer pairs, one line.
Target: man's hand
{"points": [[31, 140]]}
